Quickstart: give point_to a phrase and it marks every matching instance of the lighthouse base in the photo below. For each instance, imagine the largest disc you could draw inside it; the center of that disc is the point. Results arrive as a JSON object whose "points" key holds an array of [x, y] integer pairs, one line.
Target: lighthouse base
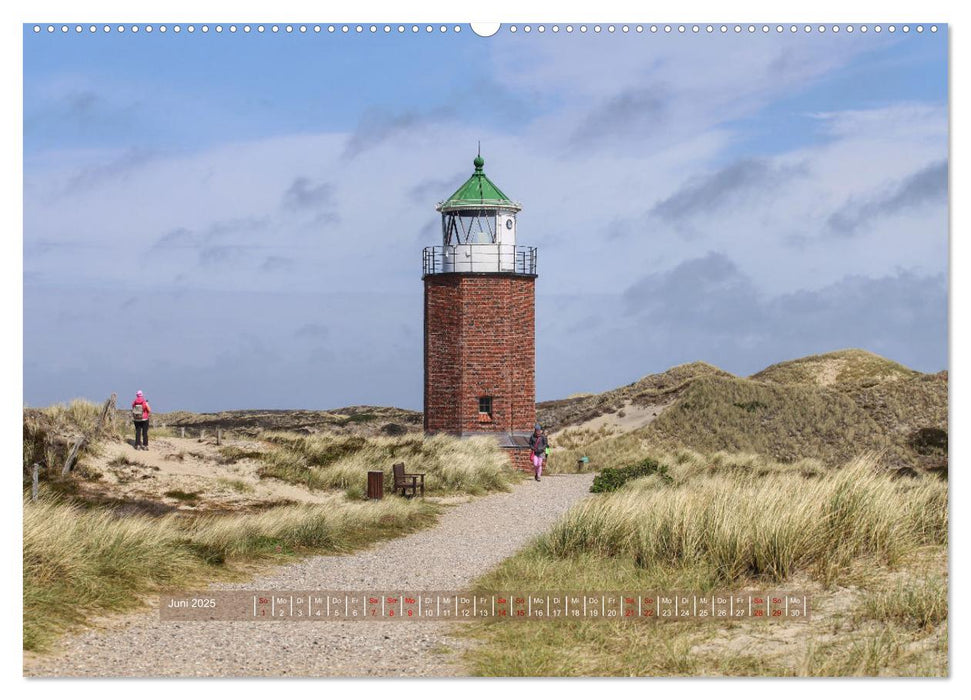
{"points": [[519, 458]]}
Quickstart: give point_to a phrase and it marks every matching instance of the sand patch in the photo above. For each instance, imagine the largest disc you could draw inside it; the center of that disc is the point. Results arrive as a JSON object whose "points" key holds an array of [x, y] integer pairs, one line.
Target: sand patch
{"points": [[192, 475], [630, 417]]}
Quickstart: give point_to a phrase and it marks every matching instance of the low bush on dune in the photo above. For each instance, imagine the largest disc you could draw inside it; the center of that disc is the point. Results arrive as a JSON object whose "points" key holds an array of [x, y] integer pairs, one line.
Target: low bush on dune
{"points": [[612, 479]]}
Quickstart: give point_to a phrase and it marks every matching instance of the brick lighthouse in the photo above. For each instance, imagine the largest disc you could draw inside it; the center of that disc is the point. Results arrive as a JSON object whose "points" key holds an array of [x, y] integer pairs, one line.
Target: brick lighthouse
{"points": [[480, 339]]}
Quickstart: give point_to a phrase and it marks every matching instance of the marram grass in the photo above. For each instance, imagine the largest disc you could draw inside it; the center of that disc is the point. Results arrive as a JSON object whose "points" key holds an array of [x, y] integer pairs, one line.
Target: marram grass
{"points": [[451, 465], [84, 562], [920, 603], [745, 525], [750, 523]]}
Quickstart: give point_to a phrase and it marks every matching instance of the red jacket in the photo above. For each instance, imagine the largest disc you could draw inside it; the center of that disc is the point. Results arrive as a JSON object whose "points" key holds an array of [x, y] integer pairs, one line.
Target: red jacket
{"points": [[146, 410]]}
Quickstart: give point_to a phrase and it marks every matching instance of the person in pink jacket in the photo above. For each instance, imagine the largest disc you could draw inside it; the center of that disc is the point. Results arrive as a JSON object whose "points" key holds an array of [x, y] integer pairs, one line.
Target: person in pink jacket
{"points": [[538, 444], [140, 418]]}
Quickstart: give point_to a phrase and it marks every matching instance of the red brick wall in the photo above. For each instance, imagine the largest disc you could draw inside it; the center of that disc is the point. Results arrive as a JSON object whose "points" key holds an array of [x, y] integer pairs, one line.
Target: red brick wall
{"points": [[520, 459], [480, 340]]}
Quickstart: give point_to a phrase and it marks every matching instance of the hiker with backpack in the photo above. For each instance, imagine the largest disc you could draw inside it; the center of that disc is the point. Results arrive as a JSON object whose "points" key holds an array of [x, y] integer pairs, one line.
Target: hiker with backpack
{"points": [[140, 411], [539, 448]]}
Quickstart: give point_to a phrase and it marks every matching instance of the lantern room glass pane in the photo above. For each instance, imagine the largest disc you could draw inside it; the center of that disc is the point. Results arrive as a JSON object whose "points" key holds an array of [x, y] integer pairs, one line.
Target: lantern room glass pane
{"points": [[470, 226]]}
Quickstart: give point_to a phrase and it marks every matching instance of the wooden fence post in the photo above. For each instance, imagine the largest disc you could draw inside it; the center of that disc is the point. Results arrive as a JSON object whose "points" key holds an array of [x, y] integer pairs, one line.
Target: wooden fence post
{"points": [[35, 486], [219, 435], [73, 455], [202, 434], [109, 405], [183, 432]]}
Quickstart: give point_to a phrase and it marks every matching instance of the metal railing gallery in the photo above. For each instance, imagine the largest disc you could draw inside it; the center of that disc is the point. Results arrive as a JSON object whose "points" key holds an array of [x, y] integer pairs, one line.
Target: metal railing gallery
{"points": [[520, 260]]}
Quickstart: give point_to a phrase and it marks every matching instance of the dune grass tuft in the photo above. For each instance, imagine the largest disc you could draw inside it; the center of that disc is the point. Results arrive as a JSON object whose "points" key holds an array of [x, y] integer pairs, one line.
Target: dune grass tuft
{"points": [[921, 604], [82, 562], [720, 522], [451, 465], [49, 433], [744, 524], [237, 485]]}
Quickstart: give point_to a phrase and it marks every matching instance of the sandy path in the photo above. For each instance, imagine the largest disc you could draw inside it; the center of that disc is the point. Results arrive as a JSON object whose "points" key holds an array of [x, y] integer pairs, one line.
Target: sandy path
{"points": [[469, 540]]}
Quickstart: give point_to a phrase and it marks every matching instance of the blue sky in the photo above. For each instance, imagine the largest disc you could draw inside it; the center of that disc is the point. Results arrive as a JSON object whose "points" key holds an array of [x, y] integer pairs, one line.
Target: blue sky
{"points": [[236, 221]]}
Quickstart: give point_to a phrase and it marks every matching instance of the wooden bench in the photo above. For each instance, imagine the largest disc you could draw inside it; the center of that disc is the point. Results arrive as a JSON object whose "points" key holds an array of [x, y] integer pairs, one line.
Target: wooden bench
{"points": [[408, 484]]}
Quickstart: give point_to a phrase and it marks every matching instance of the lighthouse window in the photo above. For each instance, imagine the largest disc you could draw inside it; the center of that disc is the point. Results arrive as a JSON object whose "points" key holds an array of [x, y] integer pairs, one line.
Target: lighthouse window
{"points": [[469, 226], [485, 404]]}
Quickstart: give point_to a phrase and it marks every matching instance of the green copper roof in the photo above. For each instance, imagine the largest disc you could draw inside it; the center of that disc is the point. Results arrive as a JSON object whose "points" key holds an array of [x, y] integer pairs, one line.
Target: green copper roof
{"points": [[478, 191]]}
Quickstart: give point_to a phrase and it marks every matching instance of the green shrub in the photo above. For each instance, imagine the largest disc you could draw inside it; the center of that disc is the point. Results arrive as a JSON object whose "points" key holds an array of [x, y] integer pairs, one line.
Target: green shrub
{"points": [[929, 441], [232, 454], [181, 495], [612, 479], [361, 417]]}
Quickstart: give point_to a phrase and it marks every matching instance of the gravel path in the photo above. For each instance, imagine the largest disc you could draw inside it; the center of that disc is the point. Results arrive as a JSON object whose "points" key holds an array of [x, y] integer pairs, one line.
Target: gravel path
{"points": [[469, 540]]}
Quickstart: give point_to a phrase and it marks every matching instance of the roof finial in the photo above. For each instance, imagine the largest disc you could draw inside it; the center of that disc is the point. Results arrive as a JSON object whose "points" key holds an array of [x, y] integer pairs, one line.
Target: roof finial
{"points": [[478, 162]]}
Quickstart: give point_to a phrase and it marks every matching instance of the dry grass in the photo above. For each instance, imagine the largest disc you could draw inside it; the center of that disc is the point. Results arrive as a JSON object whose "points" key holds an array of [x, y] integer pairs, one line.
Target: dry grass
{"points": [[604, 449], [79, 562], [726, 522], [652, 389], [50, 432], [842, 367], [83, 562], [905, 405], [81, 416], [823, 407], [578, 438], [451, 465], [746, 525], [887, 650], [784, 423], [920, 604], [237, 485], [232, 454], [619, 451], [350, 420], [336, 527]]}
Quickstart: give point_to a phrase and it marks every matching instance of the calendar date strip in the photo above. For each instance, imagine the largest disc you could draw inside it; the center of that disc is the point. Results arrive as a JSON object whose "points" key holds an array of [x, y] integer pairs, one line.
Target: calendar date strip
{"points": [[386, 606]]}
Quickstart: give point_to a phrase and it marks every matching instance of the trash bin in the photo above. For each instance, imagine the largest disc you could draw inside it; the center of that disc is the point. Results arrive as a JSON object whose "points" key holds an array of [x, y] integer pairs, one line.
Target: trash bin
{"points": [[582, 463], [375, 486]]}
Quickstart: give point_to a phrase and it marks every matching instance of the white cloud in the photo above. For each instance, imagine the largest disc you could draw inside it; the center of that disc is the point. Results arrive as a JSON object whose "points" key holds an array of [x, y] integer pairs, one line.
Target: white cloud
{"points": [[285, 218]]}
